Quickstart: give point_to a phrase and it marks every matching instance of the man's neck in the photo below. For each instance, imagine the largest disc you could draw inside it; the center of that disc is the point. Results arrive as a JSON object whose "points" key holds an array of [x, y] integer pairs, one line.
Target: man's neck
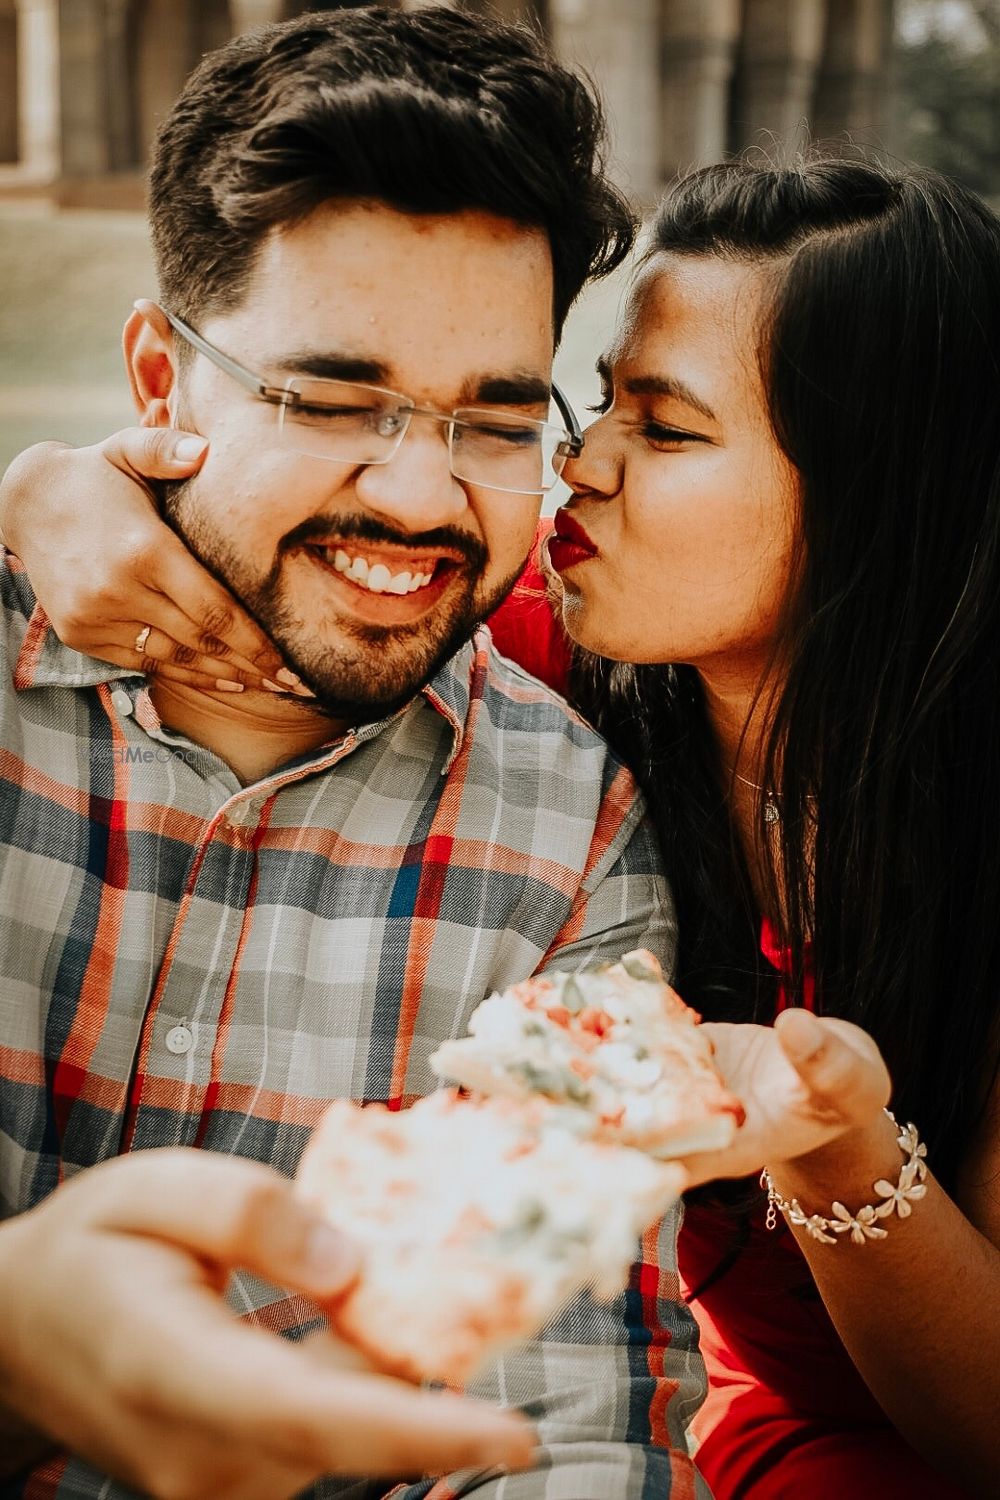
{"points": [[253, 732]]}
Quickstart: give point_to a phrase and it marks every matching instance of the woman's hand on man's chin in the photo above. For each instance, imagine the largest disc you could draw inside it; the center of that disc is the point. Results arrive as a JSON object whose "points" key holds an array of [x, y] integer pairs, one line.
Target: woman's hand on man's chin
{"points": [[104, 564]]}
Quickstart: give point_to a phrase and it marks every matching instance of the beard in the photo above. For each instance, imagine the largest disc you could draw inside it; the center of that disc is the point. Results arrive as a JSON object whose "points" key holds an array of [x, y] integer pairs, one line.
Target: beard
{"points": [[359, 672]]}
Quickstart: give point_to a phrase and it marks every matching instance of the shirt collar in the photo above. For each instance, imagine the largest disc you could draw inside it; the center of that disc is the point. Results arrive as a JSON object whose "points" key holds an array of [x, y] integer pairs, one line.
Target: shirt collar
{"points": [[44, 661], [450, 690]]}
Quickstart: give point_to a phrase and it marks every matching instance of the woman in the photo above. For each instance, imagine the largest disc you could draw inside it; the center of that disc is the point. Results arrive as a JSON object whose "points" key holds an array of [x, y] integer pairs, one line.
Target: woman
{"points": [[794, 497], [785, 528], [801, 423]]}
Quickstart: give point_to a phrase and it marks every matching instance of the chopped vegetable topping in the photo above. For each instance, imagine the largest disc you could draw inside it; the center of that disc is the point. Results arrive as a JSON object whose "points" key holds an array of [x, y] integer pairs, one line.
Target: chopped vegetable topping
{"points": [[637, 968]]}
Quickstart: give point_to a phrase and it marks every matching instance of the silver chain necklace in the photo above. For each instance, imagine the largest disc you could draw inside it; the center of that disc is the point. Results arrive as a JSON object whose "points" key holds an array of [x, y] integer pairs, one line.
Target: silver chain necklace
{"points": [[772, 811]]}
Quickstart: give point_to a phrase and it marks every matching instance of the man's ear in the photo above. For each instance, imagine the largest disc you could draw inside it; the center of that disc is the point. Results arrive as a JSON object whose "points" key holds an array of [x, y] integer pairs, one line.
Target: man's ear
{"points": [[148, 344]]}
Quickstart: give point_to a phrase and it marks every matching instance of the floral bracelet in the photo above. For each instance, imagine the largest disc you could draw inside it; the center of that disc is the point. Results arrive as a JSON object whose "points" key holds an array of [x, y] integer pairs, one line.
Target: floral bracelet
{"points": [[863, 1225]]}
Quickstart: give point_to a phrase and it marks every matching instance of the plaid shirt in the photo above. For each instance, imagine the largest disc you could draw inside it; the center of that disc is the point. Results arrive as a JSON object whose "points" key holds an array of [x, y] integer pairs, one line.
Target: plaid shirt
{"points": [[187, 961]]}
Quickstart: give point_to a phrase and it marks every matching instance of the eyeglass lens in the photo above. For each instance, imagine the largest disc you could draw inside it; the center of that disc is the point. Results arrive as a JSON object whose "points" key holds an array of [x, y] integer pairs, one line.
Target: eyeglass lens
{"points": [[361, 425]]}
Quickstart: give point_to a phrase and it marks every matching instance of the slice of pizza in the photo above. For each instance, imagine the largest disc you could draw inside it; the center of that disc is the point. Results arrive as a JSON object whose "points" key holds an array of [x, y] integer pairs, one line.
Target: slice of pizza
{"points": [[615, 1043], [478, 1218]]}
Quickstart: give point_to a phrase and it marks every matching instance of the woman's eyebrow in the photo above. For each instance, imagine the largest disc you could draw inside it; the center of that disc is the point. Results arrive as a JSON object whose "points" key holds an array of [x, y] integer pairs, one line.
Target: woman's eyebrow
{"points": [[666, 385], [658, 385]]}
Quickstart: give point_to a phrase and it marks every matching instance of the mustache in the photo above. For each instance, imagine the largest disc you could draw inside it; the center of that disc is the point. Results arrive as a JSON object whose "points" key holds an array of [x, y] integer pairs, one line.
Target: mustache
{"points": [[366, 529]]}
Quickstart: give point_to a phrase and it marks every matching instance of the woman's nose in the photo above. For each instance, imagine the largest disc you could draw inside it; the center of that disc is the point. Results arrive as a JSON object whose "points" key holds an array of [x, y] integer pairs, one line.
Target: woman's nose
{"points": [[597, 470]]}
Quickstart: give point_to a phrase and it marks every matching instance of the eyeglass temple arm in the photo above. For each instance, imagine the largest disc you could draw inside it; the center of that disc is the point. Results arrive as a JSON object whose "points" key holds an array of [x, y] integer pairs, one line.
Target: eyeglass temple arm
{"points": [[232, 367], [569, 416]]}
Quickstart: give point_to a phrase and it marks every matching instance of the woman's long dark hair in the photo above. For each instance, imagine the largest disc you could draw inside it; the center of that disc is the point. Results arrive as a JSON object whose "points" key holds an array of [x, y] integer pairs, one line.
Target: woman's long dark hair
{"points": [[881, 362]]}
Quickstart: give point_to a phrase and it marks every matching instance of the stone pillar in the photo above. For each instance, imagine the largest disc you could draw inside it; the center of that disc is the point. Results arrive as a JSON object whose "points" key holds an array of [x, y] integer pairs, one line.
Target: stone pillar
{"points": [[246, 14], [123, 146], [83, 89], [779, 61], [38, 88], [170, 38], [214, 28], [698, 41], [853, 89], [301, 7], [9, 144], [97, 87], [618, 45], [532, 11]]}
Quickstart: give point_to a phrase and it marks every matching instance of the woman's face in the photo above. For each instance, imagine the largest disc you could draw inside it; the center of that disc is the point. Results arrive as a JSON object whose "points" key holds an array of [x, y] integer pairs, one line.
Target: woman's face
{"points": [[677, 545]]}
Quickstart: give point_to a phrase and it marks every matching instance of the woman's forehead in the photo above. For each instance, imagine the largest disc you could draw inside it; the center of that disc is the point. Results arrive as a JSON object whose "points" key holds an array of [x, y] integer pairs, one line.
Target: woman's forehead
{"points": [[698, 301], [695, 323]]}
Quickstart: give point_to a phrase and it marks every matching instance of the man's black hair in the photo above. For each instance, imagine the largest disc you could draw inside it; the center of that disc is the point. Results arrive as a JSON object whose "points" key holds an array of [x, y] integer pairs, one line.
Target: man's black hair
{"points": [[428, 112]]}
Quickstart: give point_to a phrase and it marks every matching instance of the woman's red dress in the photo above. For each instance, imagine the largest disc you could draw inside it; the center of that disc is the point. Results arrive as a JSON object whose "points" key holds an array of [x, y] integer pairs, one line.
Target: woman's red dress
{"points": [[787, 1417]]}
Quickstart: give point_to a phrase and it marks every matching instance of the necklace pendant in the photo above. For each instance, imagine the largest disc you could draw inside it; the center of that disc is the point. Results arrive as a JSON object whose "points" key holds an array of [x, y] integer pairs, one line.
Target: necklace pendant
{"points": [[771, 812]]}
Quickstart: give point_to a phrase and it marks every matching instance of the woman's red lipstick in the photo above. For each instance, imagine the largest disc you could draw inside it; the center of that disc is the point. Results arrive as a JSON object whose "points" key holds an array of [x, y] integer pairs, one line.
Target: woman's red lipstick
{"points": [[569, 543]]}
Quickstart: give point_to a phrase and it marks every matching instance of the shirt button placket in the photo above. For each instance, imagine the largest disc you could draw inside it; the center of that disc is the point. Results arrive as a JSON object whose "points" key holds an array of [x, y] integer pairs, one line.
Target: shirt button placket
{"points": [[205, 945]]}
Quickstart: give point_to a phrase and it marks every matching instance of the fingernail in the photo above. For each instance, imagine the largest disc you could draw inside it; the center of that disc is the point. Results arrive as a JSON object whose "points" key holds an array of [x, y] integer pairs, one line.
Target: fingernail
{"points": [[187, 449], [809, 1023], [226, 686], [294, 684], [272, 687], [806, 1032]]}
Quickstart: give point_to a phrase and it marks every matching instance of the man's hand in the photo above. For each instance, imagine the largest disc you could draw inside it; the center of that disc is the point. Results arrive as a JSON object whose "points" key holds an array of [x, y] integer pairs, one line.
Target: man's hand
{"points": [[103, 564], [804, 1082], [114, 1338]]}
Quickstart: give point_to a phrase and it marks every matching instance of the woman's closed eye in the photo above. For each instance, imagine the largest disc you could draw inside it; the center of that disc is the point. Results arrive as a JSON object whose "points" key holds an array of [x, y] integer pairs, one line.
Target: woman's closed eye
{"points": [[653, 432], [659, 432], [656, 433]]}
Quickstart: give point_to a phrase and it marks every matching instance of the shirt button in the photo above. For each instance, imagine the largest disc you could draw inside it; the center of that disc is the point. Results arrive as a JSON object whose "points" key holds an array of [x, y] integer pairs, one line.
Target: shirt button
{"points": [[122, 702], [180, 1039]]}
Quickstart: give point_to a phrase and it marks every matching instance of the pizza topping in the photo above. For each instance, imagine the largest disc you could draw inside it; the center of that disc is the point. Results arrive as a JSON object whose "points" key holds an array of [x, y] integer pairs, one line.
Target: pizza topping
{"points": [[616, 1043], [642, 965], [477, 1228]]}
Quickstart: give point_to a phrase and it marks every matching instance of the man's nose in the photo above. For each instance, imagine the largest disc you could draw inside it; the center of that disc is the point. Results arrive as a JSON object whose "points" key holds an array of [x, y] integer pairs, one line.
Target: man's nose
{"points": [[598, 469], [415, 488]]}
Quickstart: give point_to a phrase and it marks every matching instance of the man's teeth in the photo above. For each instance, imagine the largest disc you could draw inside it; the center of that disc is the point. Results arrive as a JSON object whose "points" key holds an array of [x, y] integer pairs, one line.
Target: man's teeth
{"points": [[376, 578]]}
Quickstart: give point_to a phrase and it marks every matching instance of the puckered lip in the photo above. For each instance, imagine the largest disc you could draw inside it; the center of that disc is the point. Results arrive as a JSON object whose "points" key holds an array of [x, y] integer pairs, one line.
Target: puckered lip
{"points": [[568, 529]]}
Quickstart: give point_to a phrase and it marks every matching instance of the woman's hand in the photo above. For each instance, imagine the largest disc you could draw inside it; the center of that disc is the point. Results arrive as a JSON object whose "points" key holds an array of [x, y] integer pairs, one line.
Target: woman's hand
{"points": [[805, 1082], [103, 565]]}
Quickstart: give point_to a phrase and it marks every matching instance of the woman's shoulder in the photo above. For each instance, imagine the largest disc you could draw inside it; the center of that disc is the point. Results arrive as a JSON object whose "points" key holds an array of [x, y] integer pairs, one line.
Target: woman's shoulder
{"points": [[528, 626]]}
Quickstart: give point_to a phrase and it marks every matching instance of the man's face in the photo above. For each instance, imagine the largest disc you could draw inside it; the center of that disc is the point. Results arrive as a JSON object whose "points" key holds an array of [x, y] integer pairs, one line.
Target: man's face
{"points": [[450, 311]]}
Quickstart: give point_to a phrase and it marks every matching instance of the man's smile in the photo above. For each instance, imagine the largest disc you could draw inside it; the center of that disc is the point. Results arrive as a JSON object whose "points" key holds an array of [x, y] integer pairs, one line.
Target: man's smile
{"points": [[383, 570], [383, 587]]}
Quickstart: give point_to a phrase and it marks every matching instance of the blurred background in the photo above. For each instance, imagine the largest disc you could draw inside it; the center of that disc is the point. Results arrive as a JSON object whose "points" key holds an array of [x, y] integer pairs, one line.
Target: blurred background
{"points": [[84, 83]]}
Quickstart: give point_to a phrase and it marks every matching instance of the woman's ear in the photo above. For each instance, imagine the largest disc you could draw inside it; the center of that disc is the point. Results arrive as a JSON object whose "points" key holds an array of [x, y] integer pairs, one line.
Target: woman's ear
{"points": [[149, 359]]}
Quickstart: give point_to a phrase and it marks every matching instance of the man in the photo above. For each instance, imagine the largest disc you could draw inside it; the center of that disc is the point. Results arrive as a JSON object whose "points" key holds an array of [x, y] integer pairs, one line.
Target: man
{"points": [[220, 910]]}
